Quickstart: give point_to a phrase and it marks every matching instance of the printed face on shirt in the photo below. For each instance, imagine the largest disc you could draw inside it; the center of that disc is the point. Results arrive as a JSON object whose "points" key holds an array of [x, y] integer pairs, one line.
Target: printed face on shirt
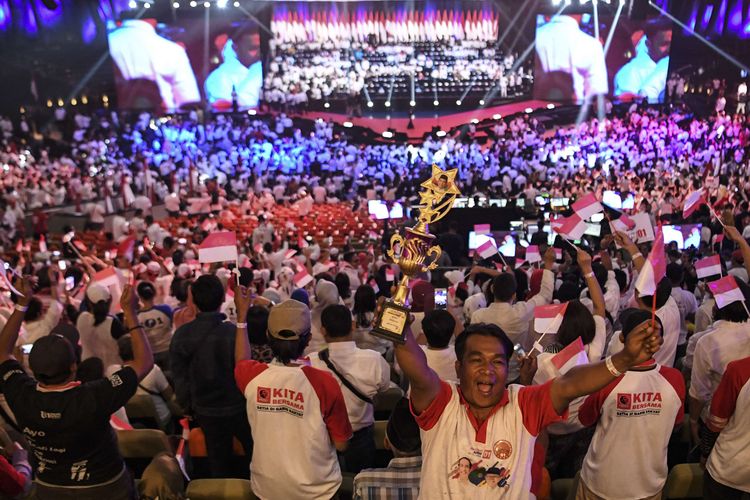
{"points": [[248, 49], [482, 371]]}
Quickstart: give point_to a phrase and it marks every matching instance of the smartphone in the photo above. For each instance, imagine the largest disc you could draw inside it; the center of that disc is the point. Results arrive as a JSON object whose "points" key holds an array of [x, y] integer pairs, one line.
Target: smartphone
{"points": [[140, 248], [182, 241], [519, 351], [62, 265], [441, 298], [56, 253], [70, 283], [26, 348]]}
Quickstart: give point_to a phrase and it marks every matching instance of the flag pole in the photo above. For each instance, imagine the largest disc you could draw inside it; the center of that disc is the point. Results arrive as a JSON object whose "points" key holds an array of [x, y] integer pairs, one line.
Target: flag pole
{"points": [[502, 258], [571, 244], [653, 310], [746, 309]]}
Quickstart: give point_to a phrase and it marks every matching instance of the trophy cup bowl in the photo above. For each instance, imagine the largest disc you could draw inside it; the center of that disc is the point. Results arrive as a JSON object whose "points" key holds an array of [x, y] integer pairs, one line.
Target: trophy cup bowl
{"points": [[415, 253]]}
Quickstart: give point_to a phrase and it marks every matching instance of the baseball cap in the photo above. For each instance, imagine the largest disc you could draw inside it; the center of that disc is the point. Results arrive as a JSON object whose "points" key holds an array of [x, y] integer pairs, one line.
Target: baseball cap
{"points": [[153, 267], [50, 359], [97, 293], [289, 320]]}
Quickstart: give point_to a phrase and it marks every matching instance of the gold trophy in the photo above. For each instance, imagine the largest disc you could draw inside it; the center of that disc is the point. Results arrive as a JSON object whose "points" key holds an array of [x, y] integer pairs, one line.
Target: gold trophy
{"points": [[415, 253]]}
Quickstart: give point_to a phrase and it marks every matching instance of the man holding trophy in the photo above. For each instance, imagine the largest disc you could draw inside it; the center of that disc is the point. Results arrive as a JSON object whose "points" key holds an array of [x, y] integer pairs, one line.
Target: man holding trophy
{"points": [[479, 436]]}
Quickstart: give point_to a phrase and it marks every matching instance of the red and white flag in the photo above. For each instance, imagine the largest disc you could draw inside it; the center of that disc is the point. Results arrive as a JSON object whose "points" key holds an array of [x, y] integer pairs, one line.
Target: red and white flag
{"points": [[519, 262], [42, 244], [302, 278], [19, 246], [654, 269], [587, 206], [718, 238], [302, 242], [532, 254], [110, 279], [126, 248], [218, 247], [499, 266], [692, 202], [547, 319], [710, 266], [573, 355], [482, 229], [289, 254], [571, 227], [487, 249], [375, 287], [622, 223], [725, 291]]}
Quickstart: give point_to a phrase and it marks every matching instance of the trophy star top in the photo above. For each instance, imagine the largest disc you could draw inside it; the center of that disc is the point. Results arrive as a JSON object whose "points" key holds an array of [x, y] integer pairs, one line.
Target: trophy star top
{"points": [[442, 181]]}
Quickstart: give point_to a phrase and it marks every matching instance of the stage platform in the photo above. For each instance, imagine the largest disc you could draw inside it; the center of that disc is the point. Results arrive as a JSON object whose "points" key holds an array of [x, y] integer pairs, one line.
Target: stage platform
{"points": [[425, 121]]}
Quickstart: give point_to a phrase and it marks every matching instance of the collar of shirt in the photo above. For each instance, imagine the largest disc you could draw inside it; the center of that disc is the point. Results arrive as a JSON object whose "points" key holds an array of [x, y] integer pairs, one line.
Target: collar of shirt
{"points": [[405, 463], [474, 422], [344, 347], [69, 385]]}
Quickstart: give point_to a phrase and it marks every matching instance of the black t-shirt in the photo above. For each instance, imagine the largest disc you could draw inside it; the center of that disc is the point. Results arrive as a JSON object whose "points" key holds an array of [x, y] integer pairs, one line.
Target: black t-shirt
{"points": [[68, 429]]}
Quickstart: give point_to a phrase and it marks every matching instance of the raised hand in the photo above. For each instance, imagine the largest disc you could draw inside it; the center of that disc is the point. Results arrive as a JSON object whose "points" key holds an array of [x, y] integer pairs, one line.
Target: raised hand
{"points": [[733, 234], [642, 343], [243, 299], [584, 261], [129, 302]]}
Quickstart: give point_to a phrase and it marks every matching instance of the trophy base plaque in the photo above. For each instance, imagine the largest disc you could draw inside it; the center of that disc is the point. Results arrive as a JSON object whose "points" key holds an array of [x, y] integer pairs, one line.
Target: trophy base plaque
{"points": [[391, 323]]}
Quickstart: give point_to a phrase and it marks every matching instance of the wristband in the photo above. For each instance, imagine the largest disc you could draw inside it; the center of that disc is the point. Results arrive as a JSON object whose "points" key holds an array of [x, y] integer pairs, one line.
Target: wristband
{"points": [[611, 367], [133, 328], [636, 255], [242, 325], [21, 308], [589, 275]]}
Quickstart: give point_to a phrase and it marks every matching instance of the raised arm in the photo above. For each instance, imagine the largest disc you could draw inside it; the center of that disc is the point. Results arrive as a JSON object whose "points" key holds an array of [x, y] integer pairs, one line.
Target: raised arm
{"points": [[595, 291], [9, 335], [143, 358], [640, 346], [735, 236], [624, 241], [242, 302], [424, 382]]}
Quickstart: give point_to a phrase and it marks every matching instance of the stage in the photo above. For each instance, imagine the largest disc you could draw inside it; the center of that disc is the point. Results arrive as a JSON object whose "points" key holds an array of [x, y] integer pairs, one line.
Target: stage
{"points": [[424, 122]]}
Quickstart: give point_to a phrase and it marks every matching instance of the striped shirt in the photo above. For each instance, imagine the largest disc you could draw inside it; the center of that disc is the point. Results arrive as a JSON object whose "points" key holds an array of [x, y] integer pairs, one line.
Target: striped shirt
{"points": [[398, 481]]}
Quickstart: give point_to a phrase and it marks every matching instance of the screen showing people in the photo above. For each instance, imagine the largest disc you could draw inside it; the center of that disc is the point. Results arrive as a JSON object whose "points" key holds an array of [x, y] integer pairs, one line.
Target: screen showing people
{"points": [[160, 66], [571, 64]]}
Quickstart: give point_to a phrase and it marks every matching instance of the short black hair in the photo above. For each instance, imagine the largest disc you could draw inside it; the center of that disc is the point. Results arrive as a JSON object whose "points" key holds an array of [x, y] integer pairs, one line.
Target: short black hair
{"points": [[208, 293], [179, 289], [90, 370], [125, 348], [487, 330], [34, 311], [577, 322], [337, 320], [146, 290], [663, 292], [675, 273], [257, 324], [438, 326], [622, 279], [504, 286]]}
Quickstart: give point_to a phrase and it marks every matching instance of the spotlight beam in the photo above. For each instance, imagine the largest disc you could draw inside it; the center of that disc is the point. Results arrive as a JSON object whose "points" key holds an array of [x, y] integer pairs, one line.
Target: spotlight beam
{"points": [[690, 30], [390, 89], [254, 18], [611, 33], [466, 92], [411, 82], [367, 94]]}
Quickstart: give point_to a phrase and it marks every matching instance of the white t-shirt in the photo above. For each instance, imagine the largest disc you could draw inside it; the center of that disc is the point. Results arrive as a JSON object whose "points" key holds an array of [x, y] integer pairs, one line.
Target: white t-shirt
{"points": [[454, 444], [730, 414], [367, 370], [636, 414], [156, 383], [442, 361], [157, 323], [294, 413], [669, 314]]}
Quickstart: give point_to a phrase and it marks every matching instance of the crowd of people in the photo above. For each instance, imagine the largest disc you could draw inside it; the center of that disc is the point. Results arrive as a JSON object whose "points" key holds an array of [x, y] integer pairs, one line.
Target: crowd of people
{"points": [[317, 59], [275, 349]]}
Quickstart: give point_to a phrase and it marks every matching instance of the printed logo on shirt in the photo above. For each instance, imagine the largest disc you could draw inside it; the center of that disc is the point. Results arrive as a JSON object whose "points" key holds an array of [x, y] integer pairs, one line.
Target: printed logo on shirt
{"points": [[638, 404], [281, 400], [11, 373], [79, 471], [264, 395], [50, 415], [472, 475]]}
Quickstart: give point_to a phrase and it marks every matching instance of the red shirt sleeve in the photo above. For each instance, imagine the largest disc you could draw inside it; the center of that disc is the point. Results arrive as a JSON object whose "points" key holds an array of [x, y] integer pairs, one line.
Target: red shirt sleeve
{"points": [[536, 407], [11, 481], [430, 416], [245, 371], [332, 405], [674, 377], [724, 401], [591, 409]]}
